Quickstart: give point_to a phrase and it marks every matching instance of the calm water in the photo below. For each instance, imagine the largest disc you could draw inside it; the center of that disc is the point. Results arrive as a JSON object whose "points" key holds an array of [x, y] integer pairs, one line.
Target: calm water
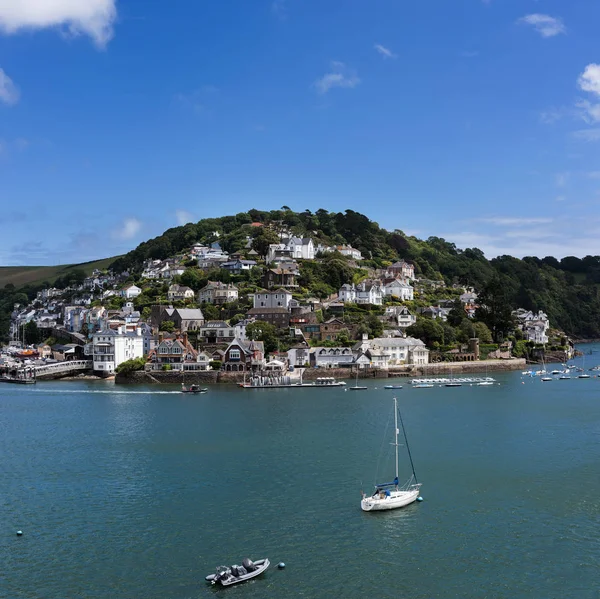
{"points": [[140, 492]]}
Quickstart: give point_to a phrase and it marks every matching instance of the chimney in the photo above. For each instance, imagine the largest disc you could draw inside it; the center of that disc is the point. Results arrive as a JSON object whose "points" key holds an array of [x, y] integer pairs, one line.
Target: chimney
{"points": [[185, 339], [160, 336]]}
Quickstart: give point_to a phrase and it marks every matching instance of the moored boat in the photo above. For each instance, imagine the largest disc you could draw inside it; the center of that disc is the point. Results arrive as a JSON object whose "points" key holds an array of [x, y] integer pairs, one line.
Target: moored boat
{"points": [[392, 386], [389, 496], [228, 575]]}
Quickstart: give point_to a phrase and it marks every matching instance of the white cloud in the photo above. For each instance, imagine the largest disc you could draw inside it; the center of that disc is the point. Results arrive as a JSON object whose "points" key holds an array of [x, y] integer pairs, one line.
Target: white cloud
{"points": [[279, 8], [589, 80], [128, 229], [80, 17], [549, 117], [560, 198], [183, 217], [587, 134], [385, 52], [594, 174], [588, 111], [545, 25], [562, 179], [518, 221], [340, 76], [9, 92]]}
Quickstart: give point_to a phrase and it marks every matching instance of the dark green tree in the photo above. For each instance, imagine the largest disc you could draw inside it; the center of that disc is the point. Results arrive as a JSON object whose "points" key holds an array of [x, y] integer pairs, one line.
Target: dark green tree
{"points": [[495, 308]]}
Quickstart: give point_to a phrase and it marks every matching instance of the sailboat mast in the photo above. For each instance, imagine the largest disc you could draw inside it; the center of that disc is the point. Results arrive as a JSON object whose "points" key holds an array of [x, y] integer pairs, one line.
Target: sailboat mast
{"points": [[407, 448], [396, 432]]}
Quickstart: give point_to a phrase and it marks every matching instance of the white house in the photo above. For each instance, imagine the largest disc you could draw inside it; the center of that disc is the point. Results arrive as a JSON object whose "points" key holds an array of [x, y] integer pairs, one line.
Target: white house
{"points": [[130, 292], [331, 357], [348, 250], [398, 289], [216, 292], [302, 248], [401, 315], [363, 293], [274, 298], [394, 351], [111, 348], [534, 326], [238, 266], [292, 249], [169, 271], [180, 292]]}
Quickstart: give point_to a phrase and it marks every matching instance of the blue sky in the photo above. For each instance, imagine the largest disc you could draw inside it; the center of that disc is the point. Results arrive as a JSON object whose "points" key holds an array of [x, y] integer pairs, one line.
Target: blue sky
{"points": [[477, 121]]}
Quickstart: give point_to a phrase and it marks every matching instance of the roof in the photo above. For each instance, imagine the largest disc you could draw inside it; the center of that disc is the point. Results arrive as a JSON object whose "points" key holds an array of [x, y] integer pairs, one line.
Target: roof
{"points": [[216, 324], [268, 311], [396, 342], [190, 313]]}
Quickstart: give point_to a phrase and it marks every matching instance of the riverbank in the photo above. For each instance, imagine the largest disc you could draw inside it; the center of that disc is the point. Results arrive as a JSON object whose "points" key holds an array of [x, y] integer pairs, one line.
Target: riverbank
{"points": [[310, 374]]}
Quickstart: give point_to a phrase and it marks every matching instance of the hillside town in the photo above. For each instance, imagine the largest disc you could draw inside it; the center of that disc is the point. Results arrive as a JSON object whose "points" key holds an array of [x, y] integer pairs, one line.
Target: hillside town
{"points": [[257, 314]]}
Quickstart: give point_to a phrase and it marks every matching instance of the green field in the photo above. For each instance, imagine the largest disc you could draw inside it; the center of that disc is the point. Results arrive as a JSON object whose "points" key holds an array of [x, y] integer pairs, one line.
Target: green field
{"points": [[32, 275]]}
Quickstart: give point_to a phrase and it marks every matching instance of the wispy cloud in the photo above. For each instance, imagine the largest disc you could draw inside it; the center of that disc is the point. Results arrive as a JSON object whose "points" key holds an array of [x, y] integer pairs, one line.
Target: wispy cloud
{"points": [[128, 229], [514, 221], [562, 179], [279, 9], [550, 116], [560, 236], [9, 92], [94, 18], [587, 134], [339, 76], [385, 52], [469, 54], [198, 100], [588, 111], [545, 25], [183, 217]]}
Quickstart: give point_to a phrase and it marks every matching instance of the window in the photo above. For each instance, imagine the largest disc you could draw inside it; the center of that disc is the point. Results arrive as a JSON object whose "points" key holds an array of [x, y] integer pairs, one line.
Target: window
{"points": [[234, 354]]}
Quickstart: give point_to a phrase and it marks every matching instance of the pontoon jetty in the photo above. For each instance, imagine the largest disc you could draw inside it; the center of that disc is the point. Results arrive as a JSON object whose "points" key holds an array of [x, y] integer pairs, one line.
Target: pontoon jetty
{"points": [[487, 380], [287, 382]]}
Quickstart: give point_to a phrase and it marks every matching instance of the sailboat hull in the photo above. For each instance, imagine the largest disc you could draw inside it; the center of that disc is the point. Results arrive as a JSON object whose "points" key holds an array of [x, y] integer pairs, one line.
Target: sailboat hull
{"points": [[395, 500]]}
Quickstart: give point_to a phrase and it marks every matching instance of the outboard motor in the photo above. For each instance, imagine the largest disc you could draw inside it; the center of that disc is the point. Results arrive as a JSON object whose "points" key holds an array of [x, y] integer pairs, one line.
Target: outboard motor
{"points": [[248, 564]]}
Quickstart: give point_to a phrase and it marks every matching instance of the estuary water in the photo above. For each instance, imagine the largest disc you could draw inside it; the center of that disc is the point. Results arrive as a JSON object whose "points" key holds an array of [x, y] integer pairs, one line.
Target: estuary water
{"points": [[139, 492]]}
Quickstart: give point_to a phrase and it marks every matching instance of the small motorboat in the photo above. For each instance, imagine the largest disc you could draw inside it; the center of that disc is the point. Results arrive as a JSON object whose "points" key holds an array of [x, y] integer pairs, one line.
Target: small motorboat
{"points": [[423, 386], [228, 575], [545, 379], [193, 389], [392, 386]]}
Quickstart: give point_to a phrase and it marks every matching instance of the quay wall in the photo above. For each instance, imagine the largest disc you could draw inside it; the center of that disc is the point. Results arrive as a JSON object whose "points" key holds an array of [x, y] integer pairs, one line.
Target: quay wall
{"points": [[310, 374]]}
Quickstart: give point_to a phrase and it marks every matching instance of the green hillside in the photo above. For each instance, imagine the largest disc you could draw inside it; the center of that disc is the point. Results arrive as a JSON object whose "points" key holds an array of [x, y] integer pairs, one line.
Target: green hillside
{"points": [[19, 276]]}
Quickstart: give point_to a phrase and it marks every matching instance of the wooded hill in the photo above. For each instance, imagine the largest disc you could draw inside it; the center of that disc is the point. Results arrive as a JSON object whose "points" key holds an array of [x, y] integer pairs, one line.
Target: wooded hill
{"points": [[567, 289]]}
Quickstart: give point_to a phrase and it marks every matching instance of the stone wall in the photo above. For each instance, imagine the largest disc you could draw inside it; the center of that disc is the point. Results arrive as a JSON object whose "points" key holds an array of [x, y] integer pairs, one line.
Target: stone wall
{"points": [[168, 377], [310, 374]]}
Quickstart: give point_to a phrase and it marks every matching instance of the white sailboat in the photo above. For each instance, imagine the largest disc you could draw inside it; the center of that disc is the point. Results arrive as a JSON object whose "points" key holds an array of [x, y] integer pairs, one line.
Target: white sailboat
{"points": [[390, 496], [357, 387]]}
